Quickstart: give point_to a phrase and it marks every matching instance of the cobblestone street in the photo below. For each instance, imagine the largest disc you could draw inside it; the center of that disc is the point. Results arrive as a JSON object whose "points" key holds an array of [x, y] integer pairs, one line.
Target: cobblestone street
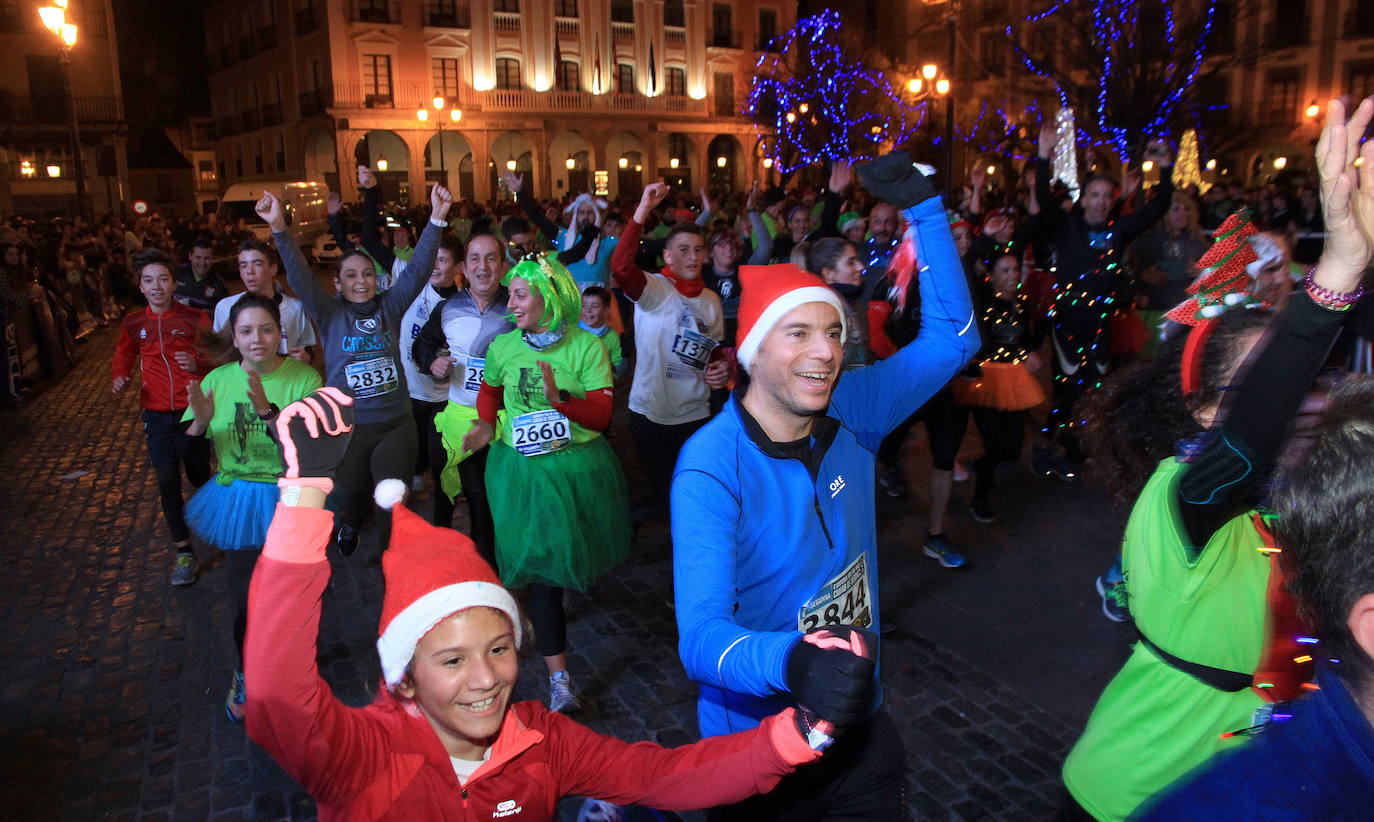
{"points": [[112, 703]]}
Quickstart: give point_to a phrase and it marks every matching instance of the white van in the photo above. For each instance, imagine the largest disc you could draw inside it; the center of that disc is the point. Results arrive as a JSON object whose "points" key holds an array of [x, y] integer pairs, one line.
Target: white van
{"points": [[306, 214]]}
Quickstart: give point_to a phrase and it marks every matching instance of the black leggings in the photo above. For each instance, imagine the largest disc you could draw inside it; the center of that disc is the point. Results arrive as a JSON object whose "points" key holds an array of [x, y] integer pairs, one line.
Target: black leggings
{"points": [[429, 454], [545, 606], [945, 422], [238, 566], [1003, 433], [170, 449], [473, 472], [658, 447], [378, 451]]}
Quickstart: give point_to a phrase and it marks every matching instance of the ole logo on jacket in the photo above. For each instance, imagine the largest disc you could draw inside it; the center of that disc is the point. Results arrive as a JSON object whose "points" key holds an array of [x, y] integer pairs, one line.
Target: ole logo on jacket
{"points": [[507, 808], [836, 485]]}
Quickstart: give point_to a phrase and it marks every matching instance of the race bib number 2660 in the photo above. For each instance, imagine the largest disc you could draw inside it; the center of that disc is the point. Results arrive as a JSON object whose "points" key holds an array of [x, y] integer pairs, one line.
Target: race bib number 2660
{"points": [[540, 432]]}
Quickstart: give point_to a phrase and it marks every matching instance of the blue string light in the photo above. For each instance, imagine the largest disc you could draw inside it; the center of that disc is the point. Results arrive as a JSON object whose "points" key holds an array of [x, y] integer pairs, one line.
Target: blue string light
{"points": [[821, 105]]}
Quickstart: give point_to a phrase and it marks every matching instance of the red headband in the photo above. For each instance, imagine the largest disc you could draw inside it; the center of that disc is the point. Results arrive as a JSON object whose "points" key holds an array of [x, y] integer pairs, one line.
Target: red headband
{"points": [[1190, 374]]}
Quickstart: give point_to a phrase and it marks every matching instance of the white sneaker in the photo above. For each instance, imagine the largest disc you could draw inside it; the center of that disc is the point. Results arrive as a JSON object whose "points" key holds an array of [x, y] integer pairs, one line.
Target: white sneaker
{"points": [[562, 697]]}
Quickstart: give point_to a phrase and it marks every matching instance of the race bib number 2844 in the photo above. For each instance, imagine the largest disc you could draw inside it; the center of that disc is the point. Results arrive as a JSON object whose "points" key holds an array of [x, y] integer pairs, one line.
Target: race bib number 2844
{"points": [[844, 600]]}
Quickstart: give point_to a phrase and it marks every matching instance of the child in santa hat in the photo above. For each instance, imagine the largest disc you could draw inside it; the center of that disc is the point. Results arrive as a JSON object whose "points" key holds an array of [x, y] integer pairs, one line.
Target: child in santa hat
{"points": [[442, 739]]}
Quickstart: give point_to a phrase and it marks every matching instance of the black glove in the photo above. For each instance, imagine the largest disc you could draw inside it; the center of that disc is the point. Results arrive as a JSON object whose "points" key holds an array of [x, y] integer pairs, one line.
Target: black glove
{"points": [[894, 179], [833, 684], [313, 433]]}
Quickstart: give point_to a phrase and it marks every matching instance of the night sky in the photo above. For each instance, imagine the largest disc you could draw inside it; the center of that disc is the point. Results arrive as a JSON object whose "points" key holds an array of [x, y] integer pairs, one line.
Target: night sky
{"points": [[162, 60]]}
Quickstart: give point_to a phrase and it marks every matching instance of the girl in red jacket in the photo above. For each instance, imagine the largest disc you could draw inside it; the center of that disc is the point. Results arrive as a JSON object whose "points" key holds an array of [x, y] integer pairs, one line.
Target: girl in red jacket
{"points": [[442, 740]]}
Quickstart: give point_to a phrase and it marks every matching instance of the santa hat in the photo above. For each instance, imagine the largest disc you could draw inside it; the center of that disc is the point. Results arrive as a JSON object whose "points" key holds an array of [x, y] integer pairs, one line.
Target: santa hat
{"points": [[767, 293], [431, 574]]}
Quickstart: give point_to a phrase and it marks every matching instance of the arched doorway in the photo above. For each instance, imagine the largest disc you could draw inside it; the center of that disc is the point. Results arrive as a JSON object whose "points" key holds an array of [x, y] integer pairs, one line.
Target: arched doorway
{"points": [[676, 153], [626, 154], [570, 160], [510, 151], [321, 162], [386, 154], [722, 158], [445, 159]]}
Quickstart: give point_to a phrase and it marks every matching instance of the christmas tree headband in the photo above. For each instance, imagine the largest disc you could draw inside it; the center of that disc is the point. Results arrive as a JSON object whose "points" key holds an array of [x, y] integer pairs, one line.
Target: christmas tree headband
{"points": [[554, 285]]}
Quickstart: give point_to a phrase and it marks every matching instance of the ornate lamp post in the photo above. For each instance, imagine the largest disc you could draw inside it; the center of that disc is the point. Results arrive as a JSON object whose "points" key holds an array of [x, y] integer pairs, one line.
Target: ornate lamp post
{"points": [[54, 19], [454, 115]]}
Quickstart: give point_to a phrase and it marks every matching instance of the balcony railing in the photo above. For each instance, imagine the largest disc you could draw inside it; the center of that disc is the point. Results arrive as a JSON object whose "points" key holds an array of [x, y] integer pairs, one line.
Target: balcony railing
{"points": [[674, 35], [89, 110], [362, 96], [448, 16], [723, 40], [388, 11], [623, 32], [306, 20], [506, 21], [566, 25], [315, 101]]}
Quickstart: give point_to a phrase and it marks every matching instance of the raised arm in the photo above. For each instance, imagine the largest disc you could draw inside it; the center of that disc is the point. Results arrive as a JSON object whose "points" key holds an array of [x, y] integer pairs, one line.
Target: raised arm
{"points": [[371, 232], [298, 274], [516, 183], [763, 241], [334, 206], [421, 264], [1130, 226], [628, 275], [583, 245], [1051, 217]]}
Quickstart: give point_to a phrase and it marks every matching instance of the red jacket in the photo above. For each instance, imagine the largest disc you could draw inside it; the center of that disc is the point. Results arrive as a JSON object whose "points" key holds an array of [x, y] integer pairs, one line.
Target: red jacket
{"points": [[153, 339], [384, 761]]}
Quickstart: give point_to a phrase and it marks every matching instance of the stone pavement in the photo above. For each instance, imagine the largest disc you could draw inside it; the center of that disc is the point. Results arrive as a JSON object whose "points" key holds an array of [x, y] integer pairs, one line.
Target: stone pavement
{"points": [[111, 703]]}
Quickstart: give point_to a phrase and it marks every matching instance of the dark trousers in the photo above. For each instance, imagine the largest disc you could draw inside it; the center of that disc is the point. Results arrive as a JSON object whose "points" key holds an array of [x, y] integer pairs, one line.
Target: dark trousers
{"points": [[378, 451], [430, 455], [170, 449], [945, 422], [1002, 433], [473, 472], [658, 447], [238, 566], [545, 606], [1093, 364], [860, 778]]}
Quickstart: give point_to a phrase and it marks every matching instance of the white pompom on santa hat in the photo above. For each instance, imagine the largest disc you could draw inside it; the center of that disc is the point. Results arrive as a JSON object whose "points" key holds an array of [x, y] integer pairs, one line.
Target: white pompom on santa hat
{"points": [[767, 293], [431, 574]]}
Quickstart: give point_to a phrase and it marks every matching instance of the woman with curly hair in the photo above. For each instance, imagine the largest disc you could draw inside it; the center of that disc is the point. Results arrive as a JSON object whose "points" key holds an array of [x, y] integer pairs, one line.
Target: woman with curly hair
{"points": [[1199, 568], [557, 495]]}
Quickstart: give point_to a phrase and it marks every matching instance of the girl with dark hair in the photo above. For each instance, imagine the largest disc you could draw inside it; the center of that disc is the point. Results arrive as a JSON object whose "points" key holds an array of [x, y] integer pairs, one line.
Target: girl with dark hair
{"points": [[1199, 569], [837, 262], [232, 406]]}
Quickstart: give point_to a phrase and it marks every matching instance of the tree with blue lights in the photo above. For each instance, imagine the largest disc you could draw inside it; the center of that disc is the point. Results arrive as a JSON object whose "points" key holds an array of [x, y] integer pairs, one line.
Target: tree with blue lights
{"points": [[823, 105], [1129, 68]]}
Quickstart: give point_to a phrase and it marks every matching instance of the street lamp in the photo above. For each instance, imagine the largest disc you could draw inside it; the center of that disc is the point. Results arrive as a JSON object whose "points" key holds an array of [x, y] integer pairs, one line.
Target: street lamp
{"points": [[54, 19], [454, 115]]}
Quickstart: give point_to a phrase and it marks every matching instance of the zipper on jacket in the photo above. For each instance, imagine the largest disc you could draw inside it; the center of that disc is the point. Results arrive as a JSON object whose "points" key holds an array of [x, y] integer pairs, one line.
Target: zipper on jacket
{"points": [[162, 352], [816, 501]]}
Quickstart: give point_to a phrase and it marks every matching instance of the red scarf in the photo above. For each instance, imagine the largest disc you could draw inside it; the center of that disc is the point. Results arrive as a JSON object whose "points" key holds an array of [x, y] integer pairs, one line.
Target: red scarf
{"points": [[687, 288]]}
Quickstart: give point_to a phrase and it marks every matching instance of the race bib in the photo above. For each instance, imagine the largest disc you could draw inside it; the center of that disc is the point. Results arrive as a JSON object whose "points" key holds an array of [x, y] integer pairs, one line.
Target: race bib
{"points": [[371, 378], [693, 348], [540, 432], [474, 369], [843, 600]]}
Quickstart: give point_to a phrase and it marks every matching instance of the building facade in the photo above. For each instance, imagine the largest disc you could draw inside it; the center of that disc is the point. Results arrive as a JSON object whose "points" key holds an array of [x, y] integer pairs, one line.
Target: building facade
{"points": [[36, 161], [574, 94]]}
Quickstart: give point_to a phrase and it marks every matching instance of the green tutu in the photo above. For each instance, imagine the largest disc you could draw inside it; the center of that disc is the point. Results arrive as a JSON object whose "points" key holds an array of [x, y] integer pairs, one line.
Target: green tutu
{"points": [[561, 518]]}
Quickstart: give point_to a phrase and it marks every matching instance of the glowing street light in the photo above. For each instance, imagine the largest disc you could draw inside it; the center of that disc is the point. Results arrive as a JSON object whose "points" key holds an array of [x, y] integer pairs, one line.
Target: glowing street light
{"points": [[454, 115], [54, 19], [1312, 110], [942, 86], [54, 170], [382, 164], [674, 162], [1280, 163], [929, 70], [624, 162], [570, 164], [721, 161]]}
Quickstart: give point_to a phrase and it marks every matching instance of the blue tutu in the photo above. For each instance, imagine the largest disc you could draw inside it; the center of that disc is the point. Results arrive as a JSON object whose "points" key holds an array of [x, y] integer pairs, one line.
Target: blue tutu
{"points": [[233, 516]]}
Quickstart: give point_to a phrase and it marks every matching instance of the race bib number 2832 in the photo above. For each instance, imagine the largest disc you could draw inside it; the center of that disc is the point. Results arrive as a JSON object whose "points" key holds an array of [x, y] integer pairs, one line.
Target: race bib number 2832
{"points": [[371, 378]]}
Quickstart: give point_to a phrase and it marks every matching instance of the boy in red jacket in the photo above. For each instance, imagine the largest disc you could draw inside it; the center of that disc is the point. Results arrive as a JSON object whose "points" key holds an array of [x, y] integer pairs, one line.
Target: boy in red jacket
{"points": [[442, 740], [161, 338]]}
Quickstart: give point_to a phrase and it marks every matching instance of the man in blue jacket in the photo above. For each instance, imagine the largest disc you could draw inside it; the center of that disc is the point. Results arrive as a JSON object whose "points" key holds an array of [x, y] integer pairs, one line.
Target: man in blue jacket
{"points": [[1314, 759], [773, 503]]}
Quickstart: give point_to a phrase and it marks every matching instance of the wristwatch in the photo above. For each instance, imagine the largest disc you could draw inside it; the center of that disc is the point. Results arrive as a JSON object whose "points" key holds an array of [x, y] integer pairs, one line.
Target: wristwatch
{"points": [[563, 396], [272, 411]]}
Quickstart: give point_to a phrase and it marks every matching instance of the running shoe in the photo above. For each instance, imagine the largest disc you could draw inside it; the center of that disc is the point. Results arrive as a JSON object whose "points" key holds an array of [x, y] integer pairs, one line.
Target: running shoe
{"points": [[982, 510], [562, 698], [347, 539], [238, 696], [961, 473], [892, 482], [417, 482], [1062, 469], [939, 548], [1114, 598], [184, 568]]}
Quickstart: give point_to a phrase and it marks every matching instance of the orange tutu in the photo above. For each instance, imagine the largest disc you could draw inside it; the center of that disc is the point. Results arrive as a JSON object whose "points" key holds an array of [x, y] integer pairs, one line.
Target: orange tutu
{"points": [[1004, 386]]}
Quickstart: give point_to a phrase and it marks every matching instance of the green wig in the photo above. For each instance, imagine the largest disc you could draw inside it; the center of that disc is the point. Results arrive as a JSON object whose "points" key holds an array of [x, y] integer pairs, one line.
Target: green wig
{"points": [[555, 285]]}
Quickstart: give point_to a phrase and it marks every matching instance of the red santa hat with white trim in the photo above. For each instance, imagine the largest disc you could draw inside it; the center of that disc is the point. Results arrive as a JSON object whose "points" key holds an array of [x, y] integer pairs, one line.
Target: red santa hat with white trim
{"points": [[767, 293], [431, 574]]}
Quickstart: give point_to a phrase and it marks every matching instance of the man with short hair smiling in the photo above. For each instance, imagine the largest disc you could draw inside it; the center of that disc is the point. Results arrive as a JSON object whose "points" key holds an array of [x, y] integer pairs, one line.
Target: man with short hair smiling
{"points": [[774, 532], [197, 285], [678, 325]]}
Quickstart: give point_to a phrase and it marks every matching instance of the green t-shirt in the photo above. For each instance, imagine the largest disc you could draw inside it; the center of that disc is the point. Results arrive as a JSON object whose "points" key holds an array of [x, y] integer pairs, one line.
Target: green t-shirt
{"points": [[611, 341], [244, 449], [1155, 723], [580, 364]]}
